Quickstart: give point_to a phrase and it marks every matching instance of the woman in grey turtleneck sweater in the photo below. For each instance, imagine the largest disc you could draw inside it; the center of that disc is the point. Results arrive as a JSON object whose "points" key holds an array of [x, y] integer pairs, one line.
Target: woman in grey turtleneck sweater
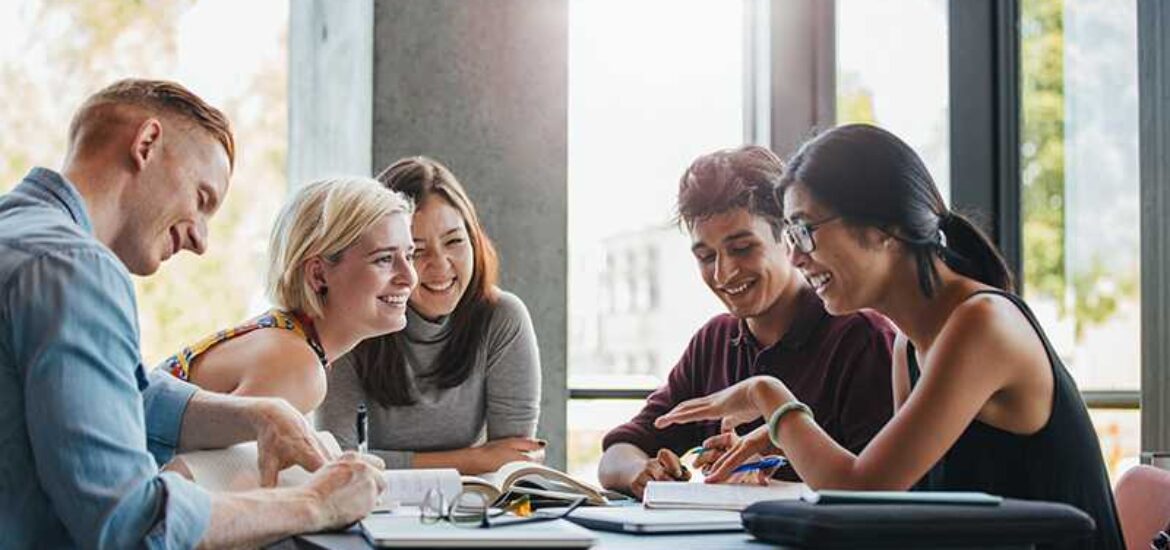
{"points": [[460, 387]]}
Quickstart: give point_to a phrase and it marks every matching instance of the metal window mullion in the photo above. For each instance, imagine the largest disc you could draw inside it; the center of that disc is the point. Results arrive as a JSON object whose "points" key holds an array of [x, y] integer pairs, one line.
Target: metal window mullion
{"points": [[985, 118], [609, 393], [1009, 230], [803, 71], [1154, 124], [1112, 400], [757, 73]]}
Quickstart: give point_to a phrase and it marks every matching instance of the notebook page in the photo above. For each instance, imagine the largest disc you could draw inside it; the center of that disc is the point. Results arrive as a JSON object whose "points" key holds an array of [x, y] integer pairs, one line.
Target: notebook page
{"points": [[409, 487], [713, 496], [236, 468]]}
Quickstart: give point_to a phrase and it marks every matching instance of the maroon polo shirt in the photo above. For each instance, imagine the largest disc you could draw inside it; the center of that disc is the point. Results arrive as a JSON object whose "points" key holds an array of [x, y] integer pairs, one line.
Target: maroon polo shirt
{"points": [[839, 366]]}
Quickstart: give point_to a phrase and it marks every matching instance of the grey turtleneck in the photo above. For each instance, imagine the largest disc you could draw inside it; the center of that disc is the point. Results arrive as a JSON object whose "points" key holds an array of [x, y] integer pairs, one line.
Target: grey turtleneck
{"points": [[501, 397]]}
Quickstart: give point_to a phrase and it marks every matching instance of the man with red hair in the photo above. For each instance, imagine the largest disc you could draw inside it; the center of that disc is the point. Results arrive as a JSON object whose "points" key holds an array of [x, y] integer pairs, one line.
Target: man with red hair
{"points": [[83, 426]]}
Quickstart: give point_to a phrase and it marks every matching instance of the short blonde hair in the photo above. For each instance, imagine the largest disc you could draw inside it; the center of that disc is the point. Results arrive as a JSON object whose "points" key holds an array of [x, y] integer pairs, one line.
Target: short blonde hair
{"points": [[323, 219], [156, 96]]}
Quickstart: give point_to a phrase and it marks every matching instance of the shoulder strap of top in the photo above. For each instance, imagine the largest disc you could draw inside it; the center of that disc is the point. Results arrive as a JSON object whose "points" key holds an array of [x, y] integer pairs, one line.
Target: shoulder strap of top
{"points": [[179, 364], [912, 362], [1027, 311], [302, 325]]}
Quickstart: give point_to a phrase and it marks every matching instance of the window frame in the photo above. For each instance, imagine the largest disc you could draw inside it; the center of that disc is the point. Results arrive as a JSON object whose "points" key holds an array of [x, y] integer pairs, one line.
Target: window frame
{"points": [[985, 114], [779, 110], [1154, 152]]}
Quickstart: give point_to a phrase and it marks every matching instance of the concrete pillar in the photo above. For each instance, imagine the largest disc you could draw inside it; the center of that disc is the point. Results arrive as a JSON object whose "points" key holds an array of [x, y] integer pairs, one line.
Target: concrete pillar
{"points": [[480, 86], [331, 90]]}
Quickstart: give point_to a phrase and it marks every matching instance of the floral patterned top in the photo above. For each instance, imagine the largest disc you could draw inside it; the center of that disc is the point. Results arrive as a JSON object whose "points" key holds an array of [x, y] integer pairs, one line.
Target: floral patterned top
{"points": [[179, 365]]}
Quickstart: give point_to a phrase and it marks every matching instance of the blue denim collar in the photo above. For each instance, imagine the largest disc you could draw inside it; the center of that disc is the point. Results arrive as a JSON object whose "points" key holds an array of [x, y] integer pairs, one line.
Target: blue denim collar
{"points": [[52, 188]]}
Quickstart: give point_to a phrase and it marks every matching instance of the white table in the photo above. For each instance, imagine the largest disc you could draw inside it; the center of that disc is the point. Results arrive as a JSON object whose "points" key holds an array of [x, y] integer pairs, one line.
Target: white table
{"points": [[353, 540]]}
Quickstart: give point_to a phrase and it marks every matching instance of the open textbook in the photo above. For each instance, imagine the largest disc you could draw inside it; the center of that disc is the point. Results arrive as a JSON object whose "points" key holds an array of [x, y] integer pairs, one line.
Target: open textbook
{"points": [[409, 487], [717, 496], [236, 468], [535, 479]]}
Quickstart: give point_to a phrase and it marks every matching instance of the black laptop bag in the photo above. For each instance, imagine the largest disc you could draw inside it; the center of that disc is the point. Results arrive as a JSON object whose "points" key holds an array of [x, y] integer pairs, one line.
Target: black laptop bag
{"points": [[1012, 524]]}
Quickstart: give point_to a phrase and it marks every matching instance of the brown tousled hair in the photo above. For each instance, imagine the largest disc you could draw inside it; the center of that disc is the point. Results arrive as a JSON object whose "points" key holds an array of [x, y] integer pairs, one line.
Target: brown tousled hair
{"points": [[379, 361], [717, 182]]}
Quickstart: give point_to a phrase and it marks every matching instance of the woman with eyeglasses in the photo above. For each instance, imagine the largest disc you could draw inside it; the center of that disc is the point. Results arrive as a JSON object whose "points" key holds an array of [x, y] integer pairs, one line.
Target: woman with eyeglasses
{"points": [[982, 401]]}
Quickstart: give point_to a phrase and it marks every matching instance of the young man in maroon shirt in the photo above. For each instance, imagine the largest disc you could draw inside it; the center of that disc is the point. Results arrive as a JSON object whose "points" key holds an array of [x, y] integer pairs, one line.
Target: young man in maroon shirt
{"points": [[776, 325]]}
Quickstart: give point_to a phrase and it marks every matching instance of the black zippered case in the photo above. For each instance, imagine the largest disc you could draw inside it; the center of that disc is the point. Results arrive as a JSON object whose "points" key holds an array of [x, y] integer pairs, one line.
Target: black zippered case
{"points": [[1012, 524]]}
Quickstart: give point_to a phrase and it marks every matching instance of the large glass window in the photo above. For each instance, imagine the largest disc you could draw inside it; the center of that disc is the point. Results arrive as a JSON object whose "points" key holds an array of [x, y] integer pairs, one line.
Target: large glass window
{"points": [[55, 53], [652, 85], [1080, 196], [892, 71]]}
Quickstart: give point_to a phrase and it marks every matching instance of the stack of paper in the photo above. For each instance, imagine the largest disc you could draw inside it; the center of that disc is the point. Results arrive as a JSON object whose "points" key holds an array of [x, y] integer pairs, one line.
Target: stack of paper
{"points": [[713, 496]]}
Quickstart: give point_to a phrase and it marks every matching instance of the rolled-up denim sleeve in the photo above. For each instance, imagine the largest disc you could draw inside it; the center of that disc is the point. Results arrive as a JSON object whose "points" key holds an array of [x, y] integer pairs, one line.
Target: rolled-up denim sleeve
{"points": [[165, 401], [84, 384]]}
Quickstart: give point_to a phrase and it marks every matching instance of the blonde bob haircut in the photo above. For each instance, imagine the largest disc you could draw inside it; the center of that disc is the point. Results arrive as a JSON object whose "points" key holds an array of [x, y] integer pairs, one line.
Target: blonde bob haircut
{"points": [[322, 220]]}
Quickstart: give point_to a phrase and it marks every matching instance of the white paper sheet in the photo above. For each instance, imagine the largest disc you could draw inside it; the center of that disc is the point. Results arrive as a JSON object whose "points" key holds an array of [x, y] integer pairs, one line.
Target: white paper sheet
{"points": [[717, 496]]}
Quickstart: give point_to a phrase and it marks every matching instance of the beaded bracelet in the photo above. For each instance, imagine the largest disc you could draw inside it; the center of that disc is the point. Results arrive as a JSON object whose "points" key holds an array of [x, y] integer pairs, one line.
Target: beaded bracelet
{"points": [[774, 420]]}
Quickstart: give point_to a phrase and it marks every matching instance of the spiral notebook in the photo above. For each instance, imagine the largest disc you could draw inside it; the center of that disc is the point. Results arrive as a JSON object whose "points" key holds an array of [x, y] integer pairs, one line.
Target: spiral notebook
{"points": [[402, 529]]}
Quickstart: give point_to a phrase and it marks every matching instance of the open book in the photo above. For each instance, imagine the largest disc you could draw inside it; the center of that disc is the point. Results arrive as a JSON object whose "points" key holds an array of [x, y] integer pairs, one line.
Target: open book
{"points": [[534, 479], [717, 496], [236, 468]]}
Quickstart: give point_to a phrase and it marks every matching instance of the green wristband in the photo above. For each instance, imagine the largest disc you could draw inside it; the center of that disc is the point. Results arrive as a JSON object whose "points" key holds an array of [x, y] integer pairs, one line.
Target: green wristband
{"points": [[778, 414]]}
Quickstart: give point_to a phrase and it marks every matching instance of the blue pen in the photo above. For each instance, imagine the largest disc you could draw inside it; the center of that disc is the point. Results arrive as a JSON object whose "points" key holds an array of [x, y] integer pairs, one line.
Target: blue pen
{"points": [[697, 450], [770, 462]]}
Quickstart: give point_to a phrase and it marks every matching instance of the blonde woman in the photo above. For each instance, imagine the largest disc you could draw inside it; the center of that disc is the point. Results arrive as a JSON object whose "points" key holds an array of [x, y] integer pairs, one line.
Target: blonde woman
{"points": [[340, 271], [460, 387]]}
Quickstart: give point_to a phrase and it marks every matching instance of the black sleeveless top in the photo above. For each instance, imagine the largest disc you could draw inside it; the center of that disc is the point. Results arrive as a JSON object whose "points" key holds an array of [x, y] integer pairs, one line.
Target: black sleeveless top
{"points": [[1060, 463]]}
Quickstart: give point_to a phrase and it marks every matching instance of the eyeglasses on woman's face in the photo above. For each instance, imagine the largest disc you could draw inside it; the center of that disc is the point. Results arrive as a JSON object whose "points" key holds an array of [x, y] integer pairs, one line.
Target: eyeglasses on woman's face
{"points": [[799, 234], [1161, 541], [471, 509]]}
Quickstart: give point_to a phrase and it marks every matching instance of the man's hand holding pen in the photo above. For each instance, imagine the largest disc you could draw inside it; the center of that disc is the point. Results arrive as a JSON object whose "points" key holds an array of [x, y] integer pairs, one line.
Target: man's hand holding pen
{"points": [[665, 466]]}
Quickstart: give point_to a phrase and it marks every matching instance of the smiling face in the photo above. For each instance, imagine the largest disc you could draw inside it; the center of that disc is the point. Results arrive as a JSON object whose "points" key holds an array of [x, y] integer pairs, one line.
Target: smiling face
{"points": [[171, 199], [368, 287], [848, 265], [741, 262], [444, 257]]}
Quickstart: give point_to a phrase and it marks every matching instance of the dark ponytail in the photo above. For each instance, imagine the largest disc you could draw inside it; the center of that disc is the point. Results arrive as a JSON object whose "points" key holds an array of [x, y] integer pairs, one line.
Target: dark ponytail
{"points": [[873, 179], [970, 252]]}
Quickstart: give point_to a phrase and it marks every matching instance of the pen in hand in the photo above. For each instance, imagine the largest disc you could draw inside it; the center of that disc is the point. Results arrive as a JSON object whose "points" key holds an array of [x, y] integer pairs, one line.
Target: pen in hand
{"points": [[363, 426], [769, 462], [697, 451], [667, 466]]}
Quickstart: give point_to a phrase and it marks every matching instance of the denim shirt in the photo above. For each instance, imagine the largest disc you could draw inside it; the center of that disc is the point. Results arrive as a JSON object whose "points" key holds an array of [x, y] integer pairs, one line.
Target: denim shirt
{"points": [[83, 427]]}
